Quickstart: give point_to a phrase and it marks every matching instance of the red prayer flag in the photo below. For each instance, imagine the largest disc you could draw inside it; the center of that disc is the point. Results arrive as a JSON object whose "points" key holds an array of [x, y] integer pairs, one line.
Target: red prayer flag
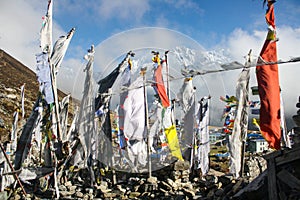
{"points": [[268, 86], [161, 87]]}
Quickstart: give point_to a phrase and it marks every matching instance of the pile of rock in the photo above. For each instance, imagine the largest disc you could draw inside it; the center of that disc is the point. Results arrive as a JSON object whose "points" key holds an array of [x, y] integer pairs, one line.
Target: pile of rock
{"points": [[164, 184], [175, 180], [255, 165]]}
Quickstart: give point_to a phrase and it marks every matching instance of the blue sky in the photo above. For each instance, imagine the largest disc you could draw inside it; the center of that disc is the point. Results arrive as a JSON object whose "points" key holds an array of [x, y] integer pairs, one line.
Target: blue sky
{"points": [[206, 22], [234, 26]]}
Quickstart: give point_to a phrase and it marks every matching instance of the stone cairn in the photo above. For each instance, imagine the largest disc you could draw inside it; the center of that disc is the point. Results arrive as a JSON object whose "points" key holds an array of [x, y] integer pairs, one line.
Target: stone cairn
{"points": [[172, 182]]}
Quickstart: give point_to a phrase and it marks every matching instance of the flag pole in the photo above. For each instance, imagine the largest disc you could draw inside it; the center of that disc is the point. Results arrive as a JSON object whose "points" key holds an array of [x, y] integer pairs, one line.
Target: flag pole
{"points": [[143, 73], [167, 70], [193, 152]]}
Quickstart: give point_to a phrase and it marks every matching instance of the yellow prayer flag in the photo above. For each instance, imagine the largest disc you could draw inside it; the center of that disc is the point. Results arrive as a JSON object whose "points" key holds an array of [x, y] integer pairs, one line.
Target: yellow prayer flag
{"points": [[173, 142]]}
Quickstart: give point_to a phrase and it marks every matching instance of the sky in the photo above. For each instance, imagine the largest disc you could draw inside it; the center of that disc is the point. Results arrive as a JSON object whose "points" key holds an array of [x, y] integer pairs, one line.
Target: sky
{"points": [[224, 30]]}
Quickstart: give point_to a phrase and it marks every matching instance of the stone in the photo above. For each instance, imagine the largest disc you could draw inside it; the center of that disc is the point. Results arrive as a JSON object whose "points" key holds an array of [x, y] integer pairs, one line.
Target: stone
{"points": [[71, 192], [134, 195], [79, 194], [189, 191], [110, 195], [62, 188], [152, 180], [17, 197], [119, 187], [72, 187], [68, 184]]}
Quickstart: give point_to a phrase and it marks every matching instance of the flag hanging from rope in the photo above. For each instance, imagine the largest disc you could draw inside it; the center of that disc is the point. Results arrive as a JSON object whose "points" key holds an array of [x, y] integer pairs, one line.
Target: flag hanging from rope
{"points": [[134, 112], [268, 85], [187, 101], [159, 85], [125, 82], [240, 126], [135, 128], [202, 154], [171, 133], [86, 124], [44, 76], [106, 83]]}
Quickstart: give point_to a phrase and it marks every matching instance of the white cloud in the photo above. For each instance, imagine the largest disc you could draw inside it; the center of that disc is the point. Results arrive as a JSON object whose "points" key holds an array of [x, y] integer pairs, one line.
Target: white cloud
{"points": [[131, 9], [184, 4], [19, 32], [21, 22]]}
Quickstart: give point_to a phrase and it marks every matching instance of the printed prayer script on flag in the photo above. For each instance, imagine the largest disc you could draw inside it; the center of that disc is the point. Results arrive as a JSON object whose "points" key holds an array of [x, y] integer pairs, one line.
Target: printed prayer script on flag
{"points": [[268, 86]]}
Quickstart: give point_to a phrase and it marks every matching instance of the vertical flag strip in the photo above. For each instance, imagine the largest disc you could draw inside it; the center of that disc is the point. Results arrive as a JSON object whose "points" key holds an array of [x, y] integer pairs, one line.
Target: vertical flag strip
{"points": [[72, 128], [156, 126], [159, 85], [134, 112], [22, 99], [86, 116], [202, 137], [44, 77], [64, 109], [173, 142], [59, 51], [240, 127], [268, 85], [125, 82], [186, 98], [46, 30], [26, 136], [14, 129], [38, 129], [171, 133], [135, 123]]}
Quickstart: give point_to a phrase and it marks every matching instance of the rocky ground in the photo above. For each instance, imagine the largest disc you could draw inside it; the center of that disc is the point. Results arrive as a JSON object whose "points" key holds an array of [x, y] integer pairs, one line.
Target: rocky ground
{"points": [[172, 182]]}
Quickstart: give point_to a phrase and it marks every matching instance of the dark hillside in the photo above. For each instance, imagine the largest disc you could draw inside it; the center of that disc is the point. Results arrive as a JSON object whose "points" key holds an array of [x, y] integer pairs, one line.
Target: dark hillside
{"points": [[13, 74]]}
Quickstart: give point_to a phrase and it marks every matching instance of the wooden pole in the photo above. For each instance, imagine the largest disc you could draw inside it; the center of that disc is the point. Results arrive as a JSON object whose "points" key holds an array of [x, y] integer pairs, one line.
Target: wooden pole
{"points": [[167, 70], [143, 73], [243, 159], [192, 162]]}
